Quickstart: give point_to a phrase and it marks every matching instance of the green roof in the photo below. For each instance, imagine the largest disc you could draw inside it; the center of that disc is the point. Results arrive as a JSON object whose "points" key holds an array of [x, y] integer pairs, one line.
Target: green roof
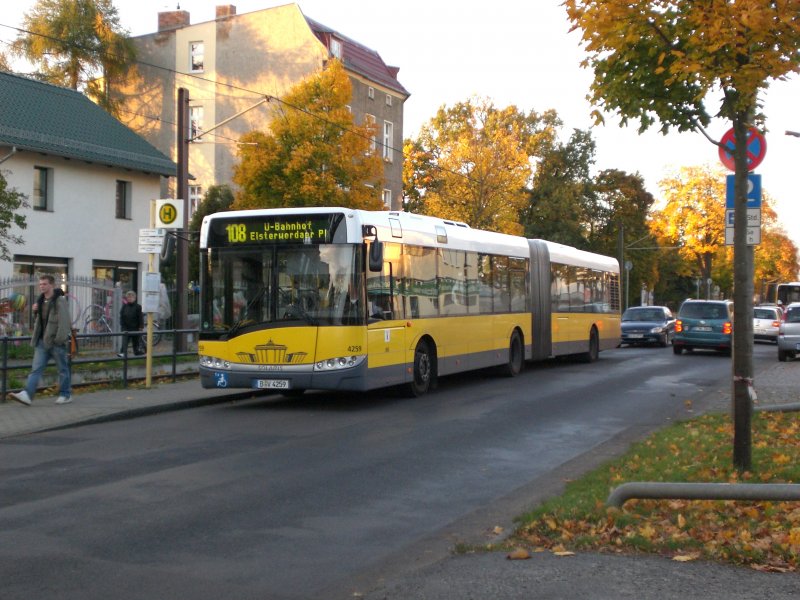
{"points": [[45, 118]]}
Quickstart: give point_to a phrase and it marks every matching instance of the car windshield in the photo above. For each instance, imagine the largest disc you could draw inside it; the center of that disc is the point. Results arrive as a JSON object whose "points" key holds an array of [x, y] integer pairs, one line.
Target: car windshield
{"points": [[643, 314], [699, 310]]}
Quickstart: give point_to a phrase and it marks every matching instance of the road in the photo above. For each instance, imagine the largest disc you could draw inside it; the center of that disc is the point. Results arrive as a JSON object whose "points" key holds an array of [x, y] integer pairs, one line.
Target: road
{"points": [[320, 497]]}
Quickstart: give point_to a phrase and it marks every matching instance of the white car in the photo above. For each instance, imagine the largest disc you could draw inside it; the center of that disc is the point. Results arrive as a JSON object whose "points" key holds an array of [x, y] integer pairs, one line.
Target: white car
{"points": [[766, 322]]}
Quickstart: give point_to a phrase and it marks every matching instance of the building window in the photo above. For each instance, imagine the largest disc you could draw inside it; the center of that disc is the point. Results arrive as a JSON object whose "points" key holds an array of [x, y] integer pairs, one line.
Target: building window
{"points": [[388, 100], [195, 196], [387, 199], [123, 199], [196, 57], [195, 123], [388, 134], [370, 120], [371, 93], [42, 196], [336, 48]]}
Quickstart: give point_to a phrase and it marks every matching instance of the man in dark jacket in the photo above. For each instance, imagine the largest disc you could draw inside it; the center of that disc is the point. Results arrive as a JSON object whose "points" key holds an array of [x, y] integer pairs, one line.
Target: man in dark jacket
{"points": [[131, 319], [50, 339]]}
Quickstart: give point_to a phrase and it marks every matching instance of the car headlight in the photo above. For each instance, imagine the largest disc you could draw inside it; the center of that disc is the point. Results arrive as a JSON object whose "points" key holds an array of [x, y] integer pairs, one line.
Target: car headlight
{"points": [[657, 330], [214, 363]]}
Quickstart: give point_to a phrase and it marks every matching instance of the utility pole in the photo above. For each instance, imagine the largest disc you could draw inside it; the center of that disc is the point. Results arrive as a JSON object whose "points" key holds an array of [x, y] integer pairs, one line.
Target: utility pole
{"points": [[182, 193]]}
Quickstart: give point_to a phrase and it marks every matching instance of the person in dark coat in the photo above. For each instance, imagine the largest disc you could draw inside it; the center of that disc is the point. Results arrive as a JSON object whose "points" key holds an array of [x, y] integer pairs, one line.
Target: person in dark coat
{"points": [[131, 319]]}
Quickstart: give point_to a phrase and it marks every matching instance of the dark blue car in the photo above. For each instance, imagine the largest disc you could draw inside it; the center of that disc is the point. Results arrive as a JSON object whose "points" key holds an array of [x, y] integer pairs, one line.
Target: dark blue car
{"points": [[648, 325]]}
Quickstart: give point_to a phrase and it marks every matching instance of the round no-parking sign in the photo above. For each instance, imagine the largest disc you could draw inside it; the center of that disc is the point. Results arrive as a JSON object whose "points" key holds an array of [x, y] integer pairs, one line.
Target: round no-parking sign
{"points": [[756, 148]]}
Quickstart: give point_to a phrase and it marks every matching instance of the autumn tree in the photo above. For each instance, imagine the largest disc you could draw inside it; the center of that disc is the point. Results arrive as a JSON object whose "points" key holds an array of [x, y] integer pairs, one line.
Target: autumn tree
{"points": [[11, 201], [78, 44], [472, 162], [314, 153], [658, 61]]}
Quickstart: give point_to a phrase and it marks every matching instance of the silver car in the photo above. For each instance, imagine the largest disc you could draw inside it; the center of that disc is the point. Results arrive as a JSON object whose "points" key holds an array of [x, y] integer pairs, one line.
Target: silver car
{"points": [[766, 321], [789, 333]]}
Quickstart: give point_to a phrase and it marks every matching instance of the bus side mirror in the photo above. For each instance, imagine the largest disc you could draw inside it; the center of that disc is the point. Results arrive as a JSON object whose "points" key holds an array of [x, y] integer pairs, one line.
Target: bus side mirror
{"points": [[376, 256]]}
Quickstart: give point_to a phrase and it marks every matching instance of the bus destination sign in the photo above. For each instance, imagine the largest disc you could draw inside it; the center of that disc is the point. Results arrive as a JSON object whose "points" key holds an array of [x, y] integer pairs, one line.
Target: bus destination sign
{"points": [[297, 229]]}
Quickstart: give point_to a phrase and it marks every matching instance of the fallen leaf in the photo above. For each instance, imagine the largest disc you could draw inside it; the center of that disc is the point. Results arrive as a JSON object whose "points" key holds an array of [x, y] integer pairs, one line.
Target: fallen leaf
{"points": [[497, 530], [564, 553], [684, 557], [518, 554]]}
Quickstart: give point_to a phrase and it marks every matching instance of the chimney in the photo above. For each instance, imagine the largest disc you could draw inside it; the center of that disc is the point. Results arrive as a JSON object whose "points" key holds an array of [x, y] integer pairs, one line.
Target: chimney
{"points": [[174, 19], [225, 10]]}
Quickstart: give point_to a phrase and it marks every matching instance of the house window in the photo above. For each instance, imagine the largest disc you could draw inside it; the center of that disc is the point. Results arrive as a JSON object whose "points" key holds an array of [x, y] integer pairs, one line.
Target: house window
{"points": [[371, 93], [370, 120], [336, 48], [195, 195], [195, 123], [42, 195], [388, 100], [196, 57], [388, 134], [123, 199], [387, 199]]}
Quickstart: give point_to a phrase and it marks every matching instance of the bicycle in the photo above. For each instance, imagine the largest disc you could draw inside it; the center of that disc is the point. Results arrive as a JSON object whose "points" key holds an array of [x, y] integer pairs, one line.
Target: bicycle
{"points": [[96, 320]]}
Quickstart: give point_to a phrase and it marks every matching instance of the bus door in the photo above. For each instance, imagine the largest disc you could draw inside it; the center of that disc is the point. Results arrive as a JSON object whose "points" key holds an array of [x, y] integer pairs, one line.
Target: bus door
{"points": [[386, 325]]}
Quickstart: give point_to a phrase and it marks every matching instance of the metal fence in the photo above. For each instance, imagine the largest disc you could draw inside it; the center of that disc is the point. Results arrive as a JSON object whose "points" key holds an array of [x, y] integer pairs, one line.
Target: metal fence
{"points": [[98, 361]]}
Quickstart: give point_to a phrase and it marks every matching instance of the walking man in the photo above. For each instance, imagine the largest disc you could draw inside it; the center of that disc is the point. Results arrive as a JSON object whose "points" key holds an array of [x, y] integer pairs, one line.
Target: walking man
{"points": [[50, 339]]}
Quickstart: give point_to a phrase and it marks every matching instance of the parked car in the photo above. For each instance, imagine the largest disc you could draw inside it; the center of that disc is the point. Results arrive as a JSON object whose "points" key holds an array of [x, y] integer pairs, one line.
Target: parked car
{"points": [[648, 325], [704, 324], [789, 333], [766, 321]]}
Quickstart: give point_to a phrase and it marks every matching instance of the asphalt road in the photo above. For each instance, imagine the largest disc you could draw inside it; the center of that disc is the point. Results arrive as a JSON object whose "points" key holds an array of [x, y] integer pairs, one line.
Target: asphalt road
{"points": [[325, 496]]}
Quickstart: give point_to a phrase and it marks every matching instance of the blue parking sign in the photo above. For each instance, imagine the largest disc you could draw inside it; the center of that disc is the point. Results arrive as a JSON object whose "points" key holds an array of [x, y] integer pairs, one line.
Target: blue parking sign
{"points": [[753, 191]]}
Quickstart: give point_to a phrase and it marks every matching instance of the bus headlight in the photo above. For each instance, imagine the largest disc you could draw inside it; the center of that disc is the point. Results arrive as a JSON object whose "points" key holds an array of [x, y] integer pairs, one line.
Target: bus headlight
{"points": [[214, 363], [340, 362]]}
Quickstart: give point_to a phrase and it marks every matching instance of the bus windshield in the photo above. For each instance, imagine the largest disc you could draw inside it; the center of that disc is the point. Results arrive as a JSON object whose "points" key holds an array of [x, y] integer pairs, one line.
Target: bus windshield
{"points": [[311, 284]]}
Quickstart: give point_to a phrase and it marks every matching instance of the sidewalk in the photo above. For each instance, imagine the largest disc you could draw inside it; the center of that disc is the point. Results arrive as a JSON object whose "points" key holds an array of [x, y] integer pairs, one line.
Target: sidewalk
{"points": [[107, 405]]}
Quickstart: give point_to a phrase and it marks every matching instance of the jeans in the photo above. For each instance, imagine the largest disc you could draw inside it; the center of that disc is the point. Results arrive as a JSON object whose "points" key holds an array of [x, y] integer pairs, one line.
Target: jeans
{"points": [[41, 356]]}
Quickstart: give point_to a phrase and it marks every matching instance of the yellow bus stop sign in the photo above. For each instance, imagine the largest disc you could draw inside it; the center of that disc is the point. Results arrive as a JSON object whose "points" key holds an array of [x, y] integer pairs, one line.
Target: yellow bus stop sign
{"points": [[169, 213]]}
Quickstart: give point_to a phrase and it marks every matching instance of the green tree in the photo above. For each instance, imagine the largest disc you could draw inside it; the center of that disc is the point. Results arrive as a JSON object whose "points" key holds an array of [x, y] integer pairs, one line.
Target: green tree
{"points": [[78, 44], [562, 192], [217, 199], [11, 201], [658, 61], [314, 153], [472, 162]]}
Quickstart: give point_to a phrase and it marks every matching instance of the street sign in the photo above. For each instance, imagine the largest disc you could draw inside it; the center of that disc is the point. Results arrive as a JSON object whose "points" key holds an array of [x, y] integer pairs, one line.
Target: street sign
{"points": [[753, 236], [756, 148], [753, 217], [753, 191], [169, 213], [151, 240]]}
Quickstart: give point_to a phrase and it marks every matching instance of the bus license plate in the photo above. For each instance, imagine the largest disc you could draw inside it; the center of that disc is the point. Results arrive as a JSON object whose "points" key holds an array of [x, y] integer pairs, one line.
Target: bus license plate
{"points": [[272, 384]]}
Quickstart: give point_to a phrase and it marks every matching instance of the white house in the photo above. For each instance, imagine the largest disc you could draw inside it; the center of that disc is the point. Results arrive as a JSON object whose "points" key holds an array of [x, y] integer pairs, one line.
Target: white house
{"points": [[89, 182]]}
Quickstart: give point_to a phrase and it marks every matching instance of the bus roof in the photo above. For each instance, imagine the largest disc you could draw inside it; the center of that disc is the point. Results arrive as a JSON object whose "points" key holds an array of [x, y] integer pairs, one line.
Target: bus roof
{"points": [[568, 255]]}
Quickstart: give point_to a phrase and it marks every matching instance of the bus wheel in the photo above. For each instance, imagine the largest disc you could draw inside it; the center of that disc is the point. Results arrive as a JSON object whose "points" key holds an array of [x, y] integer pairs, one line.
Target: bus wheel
{"points": [[594, 348], [423, 370], [516, 356]]}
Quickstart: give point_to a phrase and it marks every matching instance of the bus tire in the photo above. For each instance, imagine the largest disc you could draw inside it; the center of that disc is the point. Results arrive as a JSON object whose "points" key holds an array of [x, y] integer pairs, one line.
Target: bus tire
{"points": [[423, 370], [594, 348], [516, 356]]}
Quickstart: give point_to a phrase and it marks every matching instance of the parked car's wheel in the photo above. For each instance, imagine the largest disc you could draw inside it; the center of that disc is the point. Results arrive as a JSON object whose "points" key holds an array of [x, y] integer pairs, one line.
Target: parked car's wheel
{"points": [[783, 355], [677, 349]]}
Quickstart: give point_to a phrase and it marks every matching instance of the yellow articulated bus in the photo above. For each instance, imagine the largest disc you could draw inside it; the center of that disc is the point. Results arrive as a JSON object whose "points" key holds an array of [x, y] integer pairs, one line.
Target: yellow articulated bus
{"points": [[343, 299]]}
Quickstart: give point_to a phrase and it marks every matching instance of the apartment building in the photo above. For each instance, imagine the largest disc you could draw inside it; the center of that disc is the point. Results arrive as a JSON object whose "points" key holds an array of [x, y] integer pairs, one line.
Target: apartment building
{"points": [[230, 64]]}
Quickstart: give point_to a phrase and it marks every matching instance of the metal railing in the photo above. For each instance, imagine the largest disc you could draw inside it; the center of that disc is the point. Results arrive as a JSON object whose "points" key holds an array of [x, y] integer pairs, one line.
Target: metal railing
{"points": [[98, 362]]}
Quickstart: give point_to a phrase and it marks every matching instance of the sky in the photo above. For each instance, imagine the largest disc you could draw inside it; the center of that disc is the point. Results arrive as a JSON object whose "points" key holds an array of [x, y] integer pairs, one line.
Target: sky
{"points": [[513, 52]]}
